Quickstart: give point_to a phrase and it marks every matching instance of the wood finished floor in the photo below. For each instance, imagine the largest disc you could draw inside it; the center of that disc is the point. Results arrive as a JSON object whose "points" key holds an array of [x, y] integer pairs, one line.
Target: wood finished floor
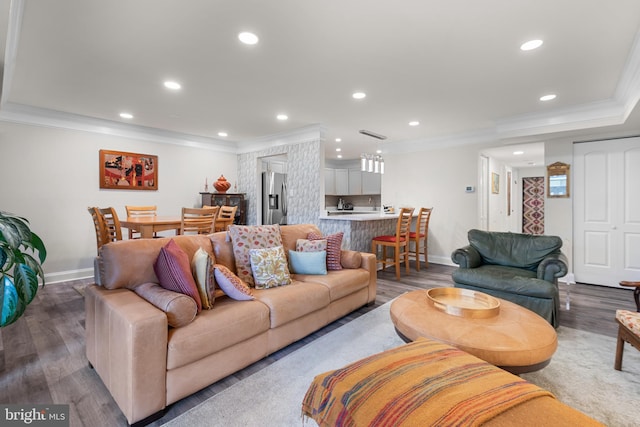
{"points": [[45, 360]]}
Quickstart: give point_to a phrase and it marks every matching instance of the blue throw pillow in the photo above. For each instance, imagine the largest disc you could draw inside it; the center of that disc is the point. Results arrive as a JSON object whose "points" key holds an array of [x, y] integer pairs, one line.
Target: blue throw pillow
{"points": [[308, 262]]}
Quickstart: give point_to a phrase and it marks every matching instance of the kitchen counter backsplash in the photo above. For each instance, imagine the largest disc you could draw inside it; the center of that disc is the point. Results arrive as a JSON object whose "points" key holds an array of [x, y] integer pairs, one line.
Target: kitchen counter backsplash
{"points": [[365, 202]]}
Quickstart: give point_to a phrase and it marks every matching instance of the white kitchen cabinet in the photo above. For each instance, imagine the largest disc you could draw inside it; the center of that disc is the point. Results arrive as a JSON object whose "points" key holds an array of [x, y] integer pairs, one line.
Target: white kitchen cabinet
{"points": [[355, 182], [330, 181], [342, 182], [371, 183]]}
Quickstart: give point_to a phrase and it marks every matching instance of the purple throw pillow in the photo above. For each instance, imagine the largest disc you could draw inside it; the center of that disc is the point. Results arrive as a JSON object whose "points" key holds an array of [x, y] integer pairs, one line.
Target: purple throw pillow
{"points": [[173, 269]]}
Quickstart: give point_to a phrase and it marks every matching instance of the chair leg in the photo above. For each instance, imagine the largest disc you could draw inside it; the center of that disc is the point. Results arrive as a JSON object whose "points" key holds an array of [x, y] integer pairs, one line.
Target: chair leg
{"points": [[396, 259], [417, 251], [619, 350], [406, 258], [424, 248]]}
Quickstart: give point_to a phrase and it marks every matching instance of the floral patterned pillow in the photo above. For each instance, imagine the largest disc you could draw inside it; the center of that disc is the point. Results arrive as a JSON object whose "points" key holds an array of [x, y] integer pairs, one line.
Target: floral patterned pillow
{"points": [[269, 267], [247, 237], [304, 245]]}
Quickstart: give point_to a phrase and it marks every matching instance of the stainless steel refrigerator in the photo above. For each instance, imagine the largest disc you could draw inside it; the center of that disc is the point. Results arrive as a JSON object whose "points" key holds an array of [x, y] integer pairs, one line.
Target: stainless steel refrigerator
{"points": [[274, 198]]}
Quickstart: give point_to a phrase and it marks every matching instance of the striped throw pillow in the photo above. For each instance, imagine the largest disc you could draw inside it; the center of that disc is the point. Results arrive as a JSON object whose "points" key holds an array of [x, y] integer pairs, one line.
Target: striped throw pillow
{"points": [[334, 248]]}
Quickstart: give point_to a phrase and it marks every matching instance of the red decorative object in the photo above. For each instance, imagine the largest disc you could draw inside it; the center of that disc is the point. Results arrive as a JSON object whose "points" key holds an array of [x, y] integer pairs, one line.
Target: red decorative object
{"points": [[222, 185]]}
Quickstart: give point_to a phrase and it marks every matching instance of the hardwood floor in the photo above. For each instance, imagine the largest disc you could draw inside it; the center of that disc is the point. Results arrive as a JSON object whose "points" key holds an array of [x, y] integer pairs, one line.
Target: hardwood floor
{"points": [[45, 361]]}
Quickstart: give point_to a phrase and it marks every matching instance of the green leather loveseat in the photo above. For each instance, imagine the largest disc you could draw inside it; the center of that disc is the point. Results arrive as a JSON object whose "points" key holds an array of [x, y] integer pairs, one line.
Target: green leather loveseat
{"points": [[520, 268]]}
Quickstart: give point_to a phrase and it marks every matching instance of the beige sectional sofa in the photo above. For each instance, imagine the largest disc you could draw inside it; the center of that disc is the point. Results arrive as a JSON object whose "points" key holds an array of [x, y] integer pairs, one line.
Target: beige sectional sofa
{"points": [[146, 364]]}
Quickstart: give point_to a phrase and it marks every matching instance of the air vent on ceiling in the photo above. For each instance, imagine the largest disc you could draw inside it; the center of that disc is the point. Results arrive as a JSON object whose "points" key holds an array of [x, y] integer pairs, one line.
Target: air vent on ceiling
{"points": [[372, 134]]}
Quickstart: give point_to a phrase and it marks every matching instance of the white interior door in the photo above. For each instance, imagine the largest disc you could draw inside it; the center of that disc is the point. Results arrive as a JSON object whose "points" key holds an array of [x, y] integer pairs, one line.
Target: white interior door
{"points": [[607, 211]]}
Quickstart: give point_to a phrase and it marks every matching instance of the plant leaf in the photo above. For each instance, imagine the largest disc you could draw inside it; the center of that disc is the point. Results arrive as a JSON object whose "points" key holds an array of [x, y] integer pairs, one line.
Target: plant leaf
{"points": [[12, 307], [26, 283]]}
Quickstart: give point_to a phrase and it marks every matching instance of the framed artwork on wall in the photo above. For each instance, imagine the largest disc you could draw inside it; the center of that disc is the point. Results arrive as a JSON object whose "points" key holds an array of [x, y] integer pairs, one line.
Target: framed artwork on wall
{"points": [[495, 183], [128, 171]]}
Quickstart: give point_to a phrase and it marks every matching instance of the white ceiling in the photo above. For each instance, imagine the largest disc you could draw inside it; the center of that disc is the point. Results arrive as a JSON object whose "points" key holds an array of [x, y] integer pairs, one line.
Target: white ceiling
{"points": [[454, 65]]}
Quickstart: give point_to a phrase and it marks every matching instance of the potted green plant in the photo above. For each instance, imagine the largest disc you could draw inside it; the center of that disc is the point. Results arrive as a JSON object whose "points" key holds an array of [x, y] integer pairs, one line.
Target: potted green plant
{"points": [[21, 256]]}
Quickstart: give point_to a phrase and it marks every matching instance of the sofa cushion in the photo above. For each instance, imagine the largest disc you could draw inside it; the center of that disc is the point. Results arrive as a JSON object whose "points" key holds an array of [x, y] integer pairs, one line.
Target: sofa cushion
{"points": [[202, 267], [339, 283], [174, 271], [269, 267], [334, 248], [247, 237], [179, 308], [513, 249], [287, 303], [231, 284], [229, 323], [308, 262], [506, 279]]}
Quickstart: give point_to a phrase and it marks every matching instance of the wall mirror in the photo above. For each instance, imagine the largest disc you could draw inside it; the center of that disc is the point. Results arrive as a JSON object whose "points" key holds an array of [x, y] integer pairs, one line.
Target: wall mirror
{"points": [[558, 180]]}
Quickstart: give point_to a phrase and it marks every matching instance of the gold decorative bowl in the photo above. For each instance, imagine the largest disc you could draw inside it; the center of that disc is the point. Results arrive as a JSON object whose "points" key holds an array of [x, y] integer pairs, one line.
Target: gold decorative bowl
{"points": [[463, 302]]}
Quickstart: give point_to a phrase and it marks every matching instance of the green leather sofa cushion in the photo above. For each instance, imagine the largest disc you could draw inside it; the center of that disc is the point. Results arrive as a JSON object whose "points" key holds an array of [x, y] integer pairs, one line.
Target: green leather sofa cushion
{"points": [[523, 251], [506, 279]]}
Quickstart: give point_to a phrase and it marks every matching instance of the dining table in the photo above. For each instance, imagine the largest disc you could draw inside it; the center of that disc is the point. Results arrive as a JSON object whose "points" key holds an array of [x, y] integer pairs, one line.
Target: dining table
{"points": [[149, 225]]}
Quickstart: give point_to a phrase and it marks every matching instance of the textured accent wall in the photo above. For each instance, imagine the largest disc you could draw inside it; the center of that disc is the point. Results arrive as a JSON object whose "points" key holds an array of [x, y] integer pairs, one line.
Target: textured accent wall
{"points": [[304, 164]]}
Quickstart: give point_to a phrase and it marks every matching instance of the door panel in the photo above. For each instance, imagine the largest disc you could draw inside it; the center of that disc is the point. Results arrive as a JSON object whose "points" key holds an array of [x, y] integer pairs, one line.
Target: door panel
{"points": [[607, 211]]}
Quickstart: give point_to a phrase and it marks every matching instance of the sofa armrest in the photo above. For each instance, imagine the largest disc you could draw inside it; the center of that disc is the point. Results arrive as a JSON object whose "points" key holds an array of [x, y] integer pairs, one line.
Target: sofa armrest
{"points": [[369, 263], [552, 267], [126, 342], [467, 257]]}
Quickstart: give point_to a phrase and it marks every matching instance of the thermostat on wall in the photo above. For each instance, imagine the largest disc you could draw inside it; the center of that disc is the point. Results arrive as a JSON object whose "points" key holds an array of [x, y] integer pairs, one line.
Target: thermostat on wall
{"points": [[470, 189]]}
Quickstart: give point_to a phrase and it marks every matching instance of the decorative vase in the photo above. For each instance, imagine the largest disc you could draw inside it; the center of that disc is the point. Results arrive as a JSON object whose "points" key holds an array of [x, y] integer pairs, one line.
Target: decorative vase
{"points": [[222, 185]]}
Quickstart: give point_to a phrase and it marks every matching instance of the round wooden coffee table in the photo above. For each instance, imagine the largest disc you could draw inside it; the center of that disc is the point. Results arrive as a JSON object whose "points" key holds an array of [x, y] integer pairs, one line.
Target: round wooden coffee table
{"points": [[515, 339]]}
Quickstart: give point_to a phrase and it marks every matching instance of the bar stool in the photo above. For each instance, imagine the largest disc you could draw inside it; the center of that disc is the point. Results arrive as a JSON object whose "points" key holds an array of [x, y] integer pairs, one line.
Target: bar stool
{"points": [[420, 237], [399, 242]]}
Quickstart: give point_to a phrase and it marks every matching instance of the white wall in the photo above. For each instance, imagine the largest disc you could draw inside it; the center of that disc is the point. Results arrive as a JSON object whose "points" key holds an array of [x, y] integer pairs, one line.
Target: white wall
{"points": [[437, 179], [50, 176]]}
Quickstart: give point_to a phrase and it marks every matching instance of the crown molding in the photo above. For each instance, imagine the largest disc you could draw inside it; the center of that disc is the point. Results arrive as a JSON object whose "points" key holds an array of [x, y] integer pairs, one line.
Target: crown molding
{"points": [[25, 114], [310, 133]]}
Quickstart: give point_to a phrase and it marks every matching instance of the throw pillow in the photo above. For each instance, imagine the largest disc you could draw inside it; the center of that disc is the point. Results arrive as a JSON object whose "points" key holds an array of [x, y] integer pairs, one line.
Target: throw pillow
{"points": [[334, 247], [305, 245], [231, 284], [269, 267], [202, 266], [174, 271], [179, 308], [246, 237], [308, 262]]}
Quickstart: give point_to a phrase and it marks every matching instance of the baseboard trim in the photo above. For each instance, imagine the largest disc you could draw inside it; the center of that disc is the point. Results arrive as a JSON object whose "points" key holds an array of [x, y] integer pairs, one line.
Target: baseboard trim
{"points": [[65, 276]]}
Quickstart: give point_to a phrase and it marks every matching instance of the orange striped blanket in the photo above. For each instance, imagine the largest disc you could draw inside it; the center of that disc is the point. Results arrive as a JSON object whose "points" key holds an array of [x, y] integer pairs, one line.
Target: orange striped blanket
{"points": [[424, 383]]}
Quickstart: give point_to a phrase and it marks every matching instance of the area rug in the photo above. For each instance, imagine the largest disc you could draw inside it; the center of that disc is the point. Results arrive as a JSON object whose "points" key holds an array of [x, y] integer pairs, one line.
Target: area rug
{"points": [[580, 374]]}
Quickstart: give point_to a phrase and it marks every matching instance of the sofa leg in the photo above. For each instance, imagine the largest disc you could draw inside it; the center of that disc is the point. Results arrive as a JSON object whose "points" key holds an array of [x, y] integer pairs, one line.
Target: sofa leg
{"points": [[151, 418]]}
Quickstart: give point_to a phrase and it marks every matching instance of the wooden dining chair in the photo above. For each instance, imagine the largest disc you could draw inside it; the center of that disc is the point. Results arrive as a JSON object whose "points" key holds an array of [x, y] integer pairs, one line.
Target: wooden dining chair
{"points": [[140, 211], [226, 215], [628, 325], [398, 241], [419, 237], [199, 220], [106, 224]]}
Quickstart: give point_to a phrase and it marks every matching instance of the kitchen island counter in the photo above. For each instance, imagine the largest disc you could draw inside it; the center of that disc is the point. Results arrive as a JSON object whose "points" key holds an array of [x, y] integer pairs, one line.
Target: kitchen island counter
{"points": [[359, 228]]}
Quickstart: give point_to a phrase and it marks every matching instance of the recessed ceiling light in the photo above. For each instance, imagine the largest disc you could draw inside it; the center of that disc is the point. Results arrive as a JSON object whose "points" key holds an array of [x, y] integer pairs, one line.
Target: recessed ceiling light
{"points": [[223, 134], [338, 139], [338, 149], [126, 115], [378, 151], [339, 156], [548, 97], [169, 84], [282, 117], [414, 123], [531, 44], [248, 38], [518, 153], [359, 95]]}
